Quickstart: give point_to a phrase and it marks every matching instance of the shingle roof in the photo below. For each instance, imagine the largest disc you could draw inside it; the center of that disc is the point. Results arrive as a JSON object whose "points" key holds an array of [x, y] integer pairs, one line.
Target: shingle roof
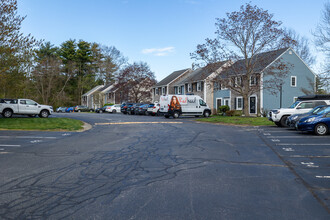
{"points": [[200, 73], [262, 61], [96, 88], [171, 77]]}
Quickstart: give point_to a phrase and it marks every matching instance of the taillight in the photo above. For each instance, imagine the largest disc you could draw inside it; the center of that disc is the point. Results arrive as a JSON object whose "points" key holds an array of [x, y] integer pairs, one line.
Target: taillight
{"points": [[154, 107], [125, 106]]}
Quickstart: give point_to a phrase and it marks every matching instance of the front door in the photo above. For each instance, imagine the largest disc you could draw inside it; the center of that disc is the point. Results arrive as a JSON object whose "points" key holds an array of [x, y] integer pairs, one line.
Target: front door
{"points": [[253, 105], [219, 103]]}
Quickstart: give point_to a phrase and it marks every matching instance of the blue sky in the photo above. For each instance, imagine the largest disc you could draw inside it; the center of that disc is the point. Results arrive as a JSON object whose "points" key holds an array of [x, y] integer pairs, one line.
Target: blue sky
{"points": [[160, 32]]}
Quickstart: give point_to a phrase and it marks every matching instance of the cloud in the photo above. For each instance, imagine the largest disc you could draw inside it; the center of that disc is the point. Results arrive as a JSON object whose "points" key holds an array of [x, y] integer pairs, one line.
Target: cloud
{"points": [[158, 51]]}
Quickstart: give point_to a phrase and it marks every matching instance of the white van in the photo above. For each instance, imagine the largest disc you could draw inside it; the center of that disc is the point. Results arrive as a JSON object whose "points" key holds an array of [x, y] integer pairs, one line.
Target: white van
{"points": [[176, 105]]}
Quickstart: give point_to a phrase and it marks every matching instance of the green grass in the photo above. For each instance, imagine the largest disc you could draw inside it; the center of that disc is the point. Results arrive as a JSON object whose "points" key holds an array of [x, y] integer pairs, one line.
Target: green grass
{"points": [[50, 124], [238, 120]]}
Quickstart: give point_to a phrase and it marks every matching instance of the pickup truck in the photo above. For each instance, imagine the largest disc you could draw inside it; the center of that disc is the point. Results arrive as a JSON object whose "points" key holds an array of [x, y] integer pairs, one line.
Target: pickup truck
{"points": [[9, 107]]}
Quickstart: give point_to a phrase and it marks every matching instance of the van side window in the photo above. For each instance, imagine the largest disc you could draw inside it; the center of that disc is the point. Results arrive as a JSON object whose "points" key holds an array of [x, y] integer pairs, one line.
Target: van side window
{"points": [[304, 105], [202, 103]]}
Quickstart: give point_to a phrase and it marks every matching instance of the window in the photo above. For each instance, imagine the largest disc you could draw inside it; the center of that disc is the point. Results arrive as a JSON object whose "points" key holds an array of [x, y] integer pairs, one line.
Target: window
{"points": [[176, 90], [217, 86], [318, 103], [293, 81], [164, 91], [219, 103], [238, 81], [199, 86], [239, 103], [202, 103], [179, 90], [30, 102], [226, 102], [253, 81], [189, 87], [23, 102], [157, 91], [305, 105], [182, 90]]}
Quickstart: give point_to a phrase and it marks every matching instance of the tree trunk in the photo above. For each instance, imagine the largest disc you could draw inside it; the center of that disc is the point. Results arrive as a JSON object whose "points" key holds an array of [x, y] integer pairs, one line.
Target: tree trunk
{"points": [[246, 105]]}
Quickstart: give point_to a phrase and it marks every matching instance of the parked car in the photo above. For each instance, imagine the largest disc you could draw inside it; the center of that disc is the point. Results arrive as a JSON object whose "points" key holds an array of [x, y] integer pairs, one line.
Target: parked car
{"points": [[113, 108], [61, 109], [100, 110], [9, 107], [130, 109], [190, 105], [124, 107], [69, 109], [135, 110], [319, 124], [82, 108], [293, 119], [142, 109], [303, 105], [153, 109]]}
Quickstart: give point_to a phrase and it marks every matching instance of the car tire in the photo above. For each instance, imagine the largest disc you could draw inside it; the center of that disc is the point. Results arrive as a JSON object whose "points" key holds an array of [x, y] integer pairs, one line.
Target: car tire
{"points": [[114, 111], [7, 113], [206, 114], [176, 114], [146, 113], [44, 114], [321, 129], [167, 116], [91, 110], [79, 110], [283, 121], [278, 124], [100, 111]]}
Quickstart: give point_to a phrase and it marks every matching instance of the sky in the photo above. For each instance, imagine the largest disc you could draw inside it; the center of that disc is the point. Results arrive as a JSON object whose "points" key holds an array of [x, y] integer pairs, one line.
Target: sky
{"points": [[161, 33]]}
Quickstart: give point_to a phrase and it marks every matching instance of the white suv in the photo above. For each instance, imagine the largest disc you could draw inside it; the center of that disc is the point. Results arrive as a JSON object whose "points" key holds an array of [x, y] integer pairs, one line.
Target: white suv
{"points": [[279, 116], [153, 109]]}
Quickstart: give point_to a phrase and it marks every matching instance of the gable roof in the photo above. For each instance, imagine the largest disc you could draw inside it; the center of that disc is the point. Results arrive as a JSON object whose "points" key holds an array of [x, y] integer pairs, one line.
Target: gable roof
{"points": [[171, 77], [264, 60], [96, 88], [200, 73]]}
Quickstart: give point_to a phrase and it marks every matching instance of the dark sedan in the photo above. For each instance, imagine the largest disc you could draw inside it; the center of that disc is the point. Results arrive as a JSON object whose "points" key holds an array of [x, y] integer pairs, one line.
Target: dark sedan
{"points": [[124, 107], [143, 109], [293, 119], [319, 124]]}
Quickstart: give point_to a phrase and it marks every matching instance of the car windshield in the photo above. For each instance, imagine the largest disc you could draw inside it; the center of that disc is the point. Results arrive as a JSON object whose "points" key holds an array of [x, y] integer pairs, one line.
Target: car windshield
{"points": [[294, 104], [151, 105], [317, 109], [324, 111]]}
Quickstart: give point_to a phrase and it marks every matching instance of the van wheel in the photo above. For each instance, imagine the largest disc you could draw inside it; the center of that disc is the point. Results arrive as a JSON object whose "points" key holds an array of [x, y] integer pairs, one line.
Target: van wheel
{"points": [[283, 121], [176, 114], [7, 113], [321, 129], [206, 114]]}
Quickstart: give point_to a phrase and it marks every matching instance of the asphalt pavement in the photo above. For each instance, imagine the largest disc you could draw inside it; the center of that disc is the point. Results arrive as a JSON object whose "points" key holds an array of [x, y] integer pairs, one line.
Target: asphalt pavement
{"points": [[144, 167]]}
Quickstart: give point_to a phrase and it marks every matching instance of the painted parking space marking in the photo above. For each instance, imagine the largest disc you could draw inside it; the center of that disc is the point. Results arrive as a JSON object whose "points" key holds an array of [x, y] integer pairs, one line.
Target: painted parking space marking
{"points": [[9, 145], [323, 177], [66, 134], [127, 123], [300, 137], [309, 156], [36, 141], [27, 137], [276, 140], [285, 144], [266, 134], [309, 164], [288, 149]]}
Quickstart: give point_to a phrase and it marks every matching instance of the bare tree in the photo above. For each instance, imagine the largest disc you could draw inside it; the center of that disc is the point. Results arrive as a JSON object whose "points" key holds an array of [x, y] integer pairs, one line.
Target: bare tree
{"points": [[322, 41], [135, 81], [246, 36]]}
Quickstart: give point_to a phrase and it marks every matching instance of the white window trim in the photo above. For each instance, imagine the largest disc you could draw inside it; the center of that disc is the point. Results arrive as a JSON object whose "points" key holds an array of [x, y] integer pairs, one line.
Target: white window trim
{"points": [[163, 91], [295, 85], [189, 87], [224, 102], [238, 82], [255, 80], [239, 97], [216, 102], [295, 99], [256, 104]]}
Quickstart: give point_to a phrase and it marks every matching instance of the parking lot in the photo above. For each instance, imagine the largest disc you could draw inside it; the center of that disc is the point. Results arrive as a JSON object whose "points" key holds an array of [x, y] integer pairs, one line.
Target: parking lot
{"points": [[307, 155], [148, 167]]}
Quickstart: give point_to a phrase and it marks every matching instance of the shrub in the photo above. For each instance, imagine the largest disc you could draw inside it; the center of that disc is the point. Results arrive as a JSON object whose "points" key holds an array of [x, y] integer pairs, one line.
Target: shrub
{"points": [[223, 109], [233, 113], [108, 104]]}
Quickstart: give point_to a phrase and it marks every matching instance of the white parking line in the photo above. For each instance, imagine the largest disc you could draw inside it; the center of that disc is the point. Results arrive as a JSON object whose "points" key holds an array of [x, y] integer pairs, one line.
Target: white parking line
{"points": [[27, 137], [288, 149], [309, 156], [8, 145], [285, 144], [323, 177], [300, 137]]}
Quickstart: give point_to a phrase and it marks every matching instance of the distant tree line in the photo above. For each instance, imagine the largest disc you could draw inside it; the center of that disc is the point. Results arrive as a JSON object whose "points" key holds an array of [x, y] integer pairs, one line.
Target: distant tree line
{"points": [[59, 75]]}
